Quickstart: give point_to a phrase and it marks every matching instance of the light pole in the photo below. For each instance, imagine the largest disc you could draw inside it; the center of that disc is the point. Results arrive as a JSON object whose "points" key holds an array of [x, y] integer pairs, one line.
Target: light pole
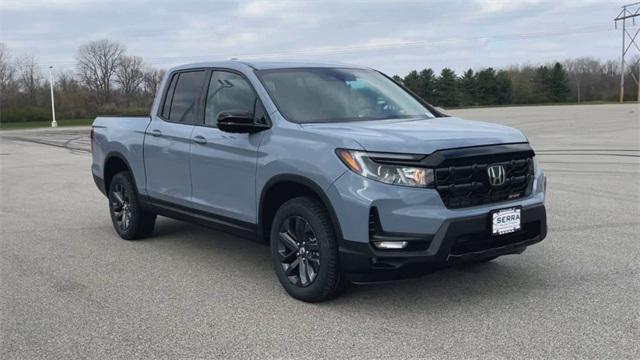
{"points": [[54, 123]]}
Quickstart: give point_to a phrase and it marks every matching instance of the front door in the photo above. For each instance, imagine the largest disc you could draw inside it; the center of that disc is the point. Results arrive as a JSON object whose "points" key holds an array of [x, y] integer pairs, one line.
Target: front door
{"points": [[223, 165]]}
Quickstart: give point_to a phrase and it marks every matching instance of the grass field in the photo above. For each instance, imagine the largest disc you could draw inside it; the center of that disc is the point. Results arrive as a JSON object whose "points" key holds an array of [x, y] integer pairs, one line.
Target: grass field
{"points": [[41, 124]]}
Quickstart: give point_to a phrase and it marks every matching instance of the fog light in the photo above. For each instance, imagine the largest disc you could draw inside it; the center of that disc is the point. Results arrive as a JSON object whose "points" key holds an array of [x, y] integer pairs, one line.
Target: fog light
{"points": [[390, 245]]}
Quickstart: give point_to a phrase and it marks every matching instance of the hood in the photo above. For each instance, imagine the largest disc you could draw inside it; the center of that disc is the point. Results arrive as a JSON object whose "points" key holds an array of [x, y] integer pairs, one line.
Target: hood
{"points": [[420, 136]]}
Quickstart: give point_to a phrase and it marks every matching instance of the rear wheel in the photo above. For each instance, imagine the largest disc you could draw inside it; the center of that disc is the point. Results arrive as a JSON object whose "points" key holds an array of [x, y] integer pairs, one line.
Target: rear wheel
{"points": [[304, 249], [130, 221]]}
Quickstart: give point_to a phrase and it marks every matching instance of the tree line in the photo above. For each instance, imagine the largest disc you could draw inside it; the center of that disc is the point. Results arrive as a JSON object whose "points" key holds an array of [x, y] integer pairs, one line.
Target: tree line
{"points": [[107, 80], [575, 81]]}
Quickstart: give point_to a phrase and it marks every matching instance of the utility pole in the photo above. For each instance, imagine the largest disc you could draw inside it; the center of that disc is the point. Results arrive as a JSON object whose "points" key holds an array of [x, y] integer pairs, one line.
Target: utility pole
{"points": [[54, 123], [629, 11]]}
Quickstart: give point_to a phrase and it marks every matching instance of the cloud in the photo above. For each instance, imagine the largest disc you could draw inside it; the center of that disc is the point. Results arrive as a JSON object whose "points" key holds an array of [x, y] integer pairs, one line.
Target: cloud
{"points": [[499, 6], [28, 5], [269, 9], [394, 37], [260, 8]]}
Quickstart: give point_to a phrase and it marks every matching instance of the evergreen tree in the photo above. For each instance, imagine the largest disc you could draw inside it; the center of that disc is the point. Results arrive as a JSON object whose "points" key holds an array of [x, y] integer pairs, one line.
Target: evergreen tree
{"points": [[558, 84], [468, 87], [426, 85], [412, 81], [446, 92], [487, 87], [504, 88], [397, 79], [540, 84]]}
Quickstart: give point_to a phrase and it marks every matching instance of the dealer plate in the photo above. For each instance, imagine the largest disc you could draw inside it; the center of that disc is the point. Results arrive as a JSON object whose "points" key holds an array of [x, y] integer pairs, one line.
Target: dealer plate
{"points": [[505, 221]]}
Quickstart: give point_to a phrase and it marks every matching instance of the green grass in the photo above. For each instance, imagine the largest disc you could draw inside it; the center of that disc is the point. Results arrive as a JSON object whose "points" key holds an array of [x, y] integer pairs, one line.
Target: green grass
{"points": [[43, 124]]}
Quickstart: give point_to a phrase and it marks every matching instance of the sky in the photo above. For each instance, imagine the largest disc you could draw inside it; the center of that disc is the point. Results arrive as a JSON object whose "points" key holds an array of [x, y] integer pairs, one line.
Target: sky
{"points": [[392, 36]]}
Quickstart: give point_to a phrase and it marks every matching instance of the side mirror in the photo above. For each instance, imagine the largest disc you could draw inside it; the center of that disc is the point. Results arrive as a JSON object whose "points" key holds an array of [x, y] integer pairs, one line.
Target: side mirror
{"points": [[239, 122]]}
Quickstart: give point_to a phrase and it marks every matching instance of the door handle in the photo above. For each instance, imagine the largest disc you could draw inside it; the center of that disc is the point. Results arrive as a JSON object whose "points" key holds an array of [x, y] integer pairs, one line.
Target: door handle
{"points": [[156, 132], [199, 140]]}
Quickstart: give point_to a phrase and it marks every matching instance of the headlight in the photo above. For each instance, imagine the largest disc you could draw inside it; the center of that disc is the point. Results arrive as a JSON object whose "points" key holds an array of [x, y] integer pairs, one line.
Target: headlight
{"points": [[542, 185], [365, 164]]}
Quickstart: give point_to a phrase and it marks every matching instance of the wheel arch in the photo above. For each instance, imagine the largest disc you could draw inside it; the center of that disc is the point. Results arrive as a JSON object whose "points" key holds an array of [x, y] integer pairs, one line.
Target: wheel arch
{"points": [[272, 197], [114, 163]]}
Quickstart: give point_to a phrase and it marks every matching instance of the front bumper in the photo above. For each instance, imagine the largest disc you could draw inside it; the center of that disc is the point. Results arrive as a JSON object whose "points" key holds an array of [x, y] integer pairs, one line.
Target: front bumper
{"points": [[460, 240], [445, 236]]}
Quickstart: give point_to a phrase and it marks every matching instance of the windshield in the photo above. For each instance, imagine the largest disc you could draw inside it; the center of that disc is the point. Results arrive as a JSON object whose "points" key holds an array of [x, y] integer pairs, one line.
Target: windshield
{"points": [[306, 95]]}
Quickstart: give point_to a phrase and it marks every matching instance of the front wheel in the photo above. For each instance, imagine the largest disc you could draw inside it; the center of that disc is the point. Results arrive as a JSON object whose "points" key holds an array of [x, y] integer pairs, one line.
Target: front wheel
{"points": [[129, 219], [304, 249]]}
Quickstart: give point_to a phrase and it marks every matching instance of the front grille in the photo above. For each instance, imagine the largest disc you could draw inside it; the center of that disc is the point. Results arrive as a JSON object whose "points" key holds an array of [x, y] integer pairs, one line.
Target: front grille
{"points": [[465, 182]]}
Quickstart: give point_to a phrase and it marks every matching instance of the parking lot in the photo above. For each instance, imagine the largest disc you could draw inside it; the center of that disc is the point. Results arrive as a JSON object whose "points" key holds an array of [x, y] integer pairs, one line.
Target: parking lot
{"points": [[71, 288]]}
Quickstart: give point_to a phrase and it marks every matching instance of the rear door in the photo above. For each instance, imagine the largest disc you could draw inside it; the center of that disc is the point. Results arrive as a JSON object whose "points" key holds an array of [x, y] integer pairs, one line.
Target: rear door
{"points": [[223, 165], [168, 138]]}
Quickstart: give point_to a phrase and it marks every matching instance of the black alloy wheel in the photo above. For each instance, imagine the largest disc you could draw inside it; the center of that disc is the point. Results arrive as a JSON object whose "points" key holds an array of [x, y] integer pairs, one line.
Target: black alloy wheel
{"points": [[130, 220], [121, 207], [304, 249], [299, 251]]}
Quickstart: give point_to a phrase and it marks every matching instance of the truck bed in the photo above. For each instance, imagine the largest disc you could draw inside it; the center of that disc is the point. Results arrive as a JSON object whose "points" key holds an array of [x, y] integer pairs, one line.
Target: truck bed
{"points": [[124, 135]]}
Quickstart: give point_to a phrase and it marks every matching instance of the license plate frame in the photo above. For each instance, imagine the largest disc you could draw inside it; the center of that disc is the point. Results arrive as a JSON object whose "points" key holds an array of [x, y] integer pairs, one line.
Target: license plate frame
{"points": [[501, 223]]}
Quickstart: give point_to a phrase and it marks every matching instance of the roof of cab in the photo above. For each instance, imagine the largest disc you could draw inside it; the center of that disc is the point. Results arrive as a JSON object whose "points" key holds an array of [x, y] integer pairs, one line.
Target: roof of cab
{"points": [[266, 65]]}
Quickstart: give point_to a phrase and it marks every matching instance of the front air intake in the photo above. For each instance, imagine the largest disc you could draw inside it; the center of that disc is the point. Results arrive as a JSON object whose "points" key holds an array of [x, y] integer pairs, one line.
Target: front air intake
{"points": [[389, 241]]}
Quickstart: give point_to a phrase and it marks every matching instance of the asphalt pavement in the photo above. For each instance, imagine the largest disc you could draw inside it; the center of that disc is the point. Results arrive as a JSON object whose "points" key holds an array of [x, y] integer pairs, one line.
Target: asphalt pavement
{"points": [[71, 288]]}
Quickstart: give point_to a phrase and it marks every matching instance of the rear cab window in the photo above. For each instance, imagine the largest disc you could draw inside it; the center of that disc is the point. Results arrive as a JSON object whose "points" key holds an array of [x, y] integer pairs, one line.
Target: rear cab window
{"points": [[182, 99]]}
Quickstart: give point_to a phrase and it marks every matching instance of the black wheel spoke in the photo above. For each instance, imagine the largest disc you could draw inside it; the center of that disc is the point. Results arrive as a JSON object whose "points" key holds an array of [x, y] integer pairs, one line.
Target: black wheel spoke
{"points": [[288, 226], [119, 198], [299, 227], [311, 271], [288, 258], [304, 280], [292, 267], [298, 251], [288, 241], [120, 207], [307, 232], [314, 261]]}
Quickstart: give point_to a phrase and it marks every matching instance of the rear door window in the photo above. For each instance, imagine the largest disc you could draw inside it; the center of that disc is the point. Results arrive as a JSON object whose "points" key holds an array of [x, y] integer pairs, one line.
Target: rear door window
{"points": [[166, 106], [186, 97]]}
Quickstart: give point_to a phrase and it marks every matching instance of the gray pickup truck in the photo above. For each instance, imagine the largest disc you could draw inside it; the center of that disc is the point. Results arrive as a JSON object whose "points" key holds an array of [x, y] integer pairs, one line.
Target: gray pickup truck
{"points": [[345, 173]]}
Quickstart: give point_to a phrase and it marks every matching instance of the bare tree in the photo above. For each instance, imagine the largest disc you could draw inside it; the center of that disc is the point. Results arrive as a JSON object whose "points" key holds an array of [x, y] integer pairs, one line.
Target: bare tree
{"points": [[71, 97], [584, 75], [7, 71], [152, 79], [29, 76], [97, 63], [129, 76], [573, 68], [66, 81]]}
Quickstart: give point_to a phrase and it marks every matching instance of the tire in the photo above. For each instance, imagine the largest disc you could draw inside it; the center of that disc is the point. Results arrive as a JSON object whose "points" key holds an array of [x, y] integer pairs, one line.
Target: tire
{"points": [[129, 220], [302, 232]]}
